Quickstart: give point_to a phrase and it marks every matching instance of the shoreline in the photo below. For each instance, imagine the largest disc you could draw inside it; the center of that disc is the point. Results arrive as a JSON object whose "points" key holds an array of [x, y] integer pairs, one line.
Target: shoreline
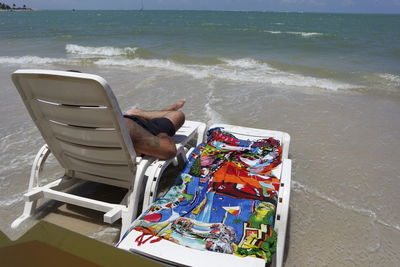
{"points": [[327, 131]]}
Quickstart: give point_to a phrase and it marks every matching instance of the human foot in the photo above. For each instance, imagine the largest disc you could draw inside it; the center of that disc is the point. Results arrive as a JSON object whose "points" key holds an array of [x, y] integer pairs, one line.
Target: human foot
{"points": [[133, 111], [179, 104]]}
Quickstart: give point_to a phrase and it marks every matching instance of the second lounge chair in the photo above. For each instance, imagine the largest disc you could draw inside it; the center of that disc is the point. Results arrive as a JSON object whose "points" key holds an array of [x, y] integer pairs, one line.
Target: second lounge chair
{"points": [[229, 206]]}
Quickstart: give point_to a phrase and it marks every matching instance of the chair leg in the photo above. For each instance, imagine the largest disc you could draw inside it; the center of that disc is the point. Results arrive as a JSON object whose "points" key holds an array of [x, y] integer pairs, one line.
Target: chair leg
{"points": [[29, 210], [132, 197], [37, 166], [128, 214]]}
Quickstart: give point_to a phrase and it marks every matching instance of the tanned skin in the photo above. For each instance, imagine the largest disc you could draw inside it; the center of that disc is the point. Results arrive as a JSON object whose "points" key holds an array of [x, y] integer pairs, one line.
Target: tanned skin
{"points": [[161, 146]]}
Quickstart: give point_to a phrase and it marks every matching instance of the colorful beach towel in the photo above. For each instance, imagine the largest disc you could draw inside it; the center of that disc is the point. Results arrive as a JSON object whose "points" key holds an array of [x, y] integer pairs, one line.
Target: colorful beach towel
{"points": [[223, 201]]}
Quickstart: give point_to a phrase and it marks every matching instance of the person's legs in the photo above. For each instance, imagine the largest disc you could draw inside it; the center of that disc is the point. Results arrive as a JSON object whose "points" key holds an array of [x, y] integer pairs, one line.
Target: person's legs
{"points": [[172, 113], [177, 118], [151, 114], [176, 106], [160, 146]]}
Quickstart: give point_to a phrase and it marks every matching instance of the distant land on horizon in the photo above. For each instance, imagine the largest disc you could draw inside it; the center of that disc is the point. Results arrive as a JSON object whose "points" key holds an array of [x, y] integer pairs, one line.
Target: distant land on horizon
{"points": [[14, 7], [5, 7]]}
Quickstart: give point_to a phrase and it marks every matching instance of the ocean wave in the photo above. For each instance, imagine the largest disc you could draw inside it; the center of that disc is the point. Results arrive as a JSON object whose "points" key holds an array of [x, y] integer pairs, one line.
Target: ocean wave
{"points": [[394, 79], [239, 70], [107, 51], [382, 83], [35, 60], [246, 63], [194, 70], [306, 34], [303, 34]]}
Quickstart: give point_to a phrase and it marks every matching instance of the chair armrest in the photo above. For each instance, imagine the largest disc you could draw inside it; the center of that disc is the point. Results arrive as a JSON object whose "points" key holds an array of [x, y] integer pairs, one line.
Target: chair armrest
{"points": [[154, 173], [37, 166]]}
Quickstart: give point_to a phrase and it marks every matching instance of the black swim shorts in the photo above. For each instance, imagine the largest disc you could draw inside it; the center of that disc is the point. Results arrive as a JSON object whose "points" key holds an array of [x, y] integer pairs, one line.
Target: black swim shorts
{"points": [[155, 126]]}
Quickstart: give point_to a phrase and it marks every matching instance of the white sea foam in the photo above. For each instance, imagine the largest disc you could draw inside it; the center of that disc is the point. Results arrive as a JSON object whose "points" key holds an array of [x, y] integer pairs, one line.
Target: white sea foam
{"points": [[297, 186], [212, 114], [14, 156], [245, 70], [303, 34], [240, 70], [35, 60], [99, 51], [394, 79], [194, 70], [246, 63], [107, 231], [306, 34], [11, 200]]}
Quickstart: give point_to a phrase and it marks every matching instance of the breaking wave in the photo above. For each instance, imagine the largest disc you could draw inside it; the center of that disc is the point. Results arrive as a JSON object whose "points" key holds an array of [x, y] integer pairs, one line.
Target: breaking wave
{"points": [[393, 79], [303, 34], [100, 51], [36, 60], [244, 70], [239, 70]]}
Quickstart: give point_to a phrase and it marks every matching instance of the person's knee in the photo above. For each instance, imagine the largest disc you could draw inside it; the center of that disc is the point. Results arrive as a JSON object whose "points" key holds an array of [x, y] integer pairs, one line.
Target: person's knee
{"points": [[180, 119], [177, 118], [168, 153], [181, 116]]}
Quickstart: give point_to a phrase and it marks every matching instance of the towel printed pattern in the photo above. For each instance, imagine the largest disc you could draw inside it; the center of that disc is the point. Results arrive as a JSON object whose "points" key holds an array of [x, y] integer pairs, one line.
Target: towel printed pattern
{"points": [[223, 201]]}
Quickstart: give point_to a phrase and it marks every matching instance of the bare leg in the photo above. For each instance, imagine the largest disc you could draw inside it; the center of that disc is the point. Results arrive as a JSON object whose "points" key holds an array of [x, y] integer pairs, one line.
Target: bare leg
{"points": [[176, 117], [178, 105], [172, 113], [151, 114], [161, 146]]}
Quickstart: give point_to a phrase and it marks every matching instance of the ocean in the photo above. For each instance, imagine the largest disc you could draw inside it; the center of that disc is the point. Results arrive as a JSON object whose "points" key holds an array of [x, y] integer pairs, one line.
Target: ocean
{"points": [[332, 81]]}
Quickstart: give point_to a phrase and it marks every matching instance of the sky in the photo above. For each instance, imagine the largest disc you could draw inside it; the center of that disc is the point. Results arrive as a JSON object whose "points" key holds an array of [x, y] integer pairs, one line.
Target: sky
{"points": [[345, 6]]}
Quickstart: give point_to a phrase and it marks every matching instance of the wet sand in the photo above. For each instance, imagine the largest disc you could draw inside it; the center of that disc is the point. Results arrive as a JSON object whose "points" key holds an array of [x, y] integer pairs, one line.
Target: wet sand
{"points": [[344, 147]]}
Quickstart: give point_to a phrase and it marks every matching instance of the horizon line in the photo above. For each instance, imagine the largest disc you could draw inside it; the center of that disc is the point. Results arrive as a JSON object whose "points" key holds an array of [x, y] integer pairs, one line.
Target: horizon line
{"points": [[221, 10]]}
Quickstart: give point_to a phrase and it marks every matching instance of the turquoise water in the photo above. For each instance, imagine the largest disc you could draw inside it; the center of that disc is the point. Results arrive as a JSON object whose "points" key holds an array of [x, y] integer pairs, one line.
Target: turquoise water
{"points": [[351, 51], [332, 81]]}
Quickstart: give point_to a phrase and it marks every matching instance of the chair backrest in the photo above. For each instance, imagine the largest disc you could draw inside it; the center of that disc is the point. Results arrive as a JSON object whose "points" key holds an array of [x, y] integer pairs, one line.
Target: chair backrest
{"points": [[80, 120]]}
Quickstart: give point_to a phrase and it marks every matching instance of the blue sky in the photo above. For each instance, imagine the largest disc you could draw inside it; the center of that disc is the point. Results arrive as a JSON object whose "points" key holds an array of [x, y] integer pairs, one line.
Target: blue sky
{"points": [[352, 6]]}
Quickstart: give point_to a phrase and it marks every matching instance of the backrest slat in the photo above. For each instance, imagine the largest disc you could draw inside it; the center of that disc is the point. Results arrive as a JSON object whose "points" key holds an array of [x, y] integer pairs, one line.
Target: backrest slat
{"points": [[100, 137], [107, 155], [76, 115], [53, 88]]}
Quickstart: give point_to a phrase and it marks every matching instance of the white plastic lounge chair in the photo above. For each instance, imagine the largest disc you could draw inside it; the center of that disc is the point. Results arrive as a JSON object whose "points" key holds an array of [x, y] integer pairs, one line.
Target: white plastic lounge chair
{"points": [[170, 253], [82, 125]]}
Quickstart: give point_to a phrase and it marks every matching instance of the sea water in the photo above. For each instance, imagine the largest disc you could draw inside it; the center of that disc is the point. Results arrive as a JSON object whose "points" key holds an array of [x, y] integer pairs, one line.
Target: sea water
{"points": [[332, 81]]}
